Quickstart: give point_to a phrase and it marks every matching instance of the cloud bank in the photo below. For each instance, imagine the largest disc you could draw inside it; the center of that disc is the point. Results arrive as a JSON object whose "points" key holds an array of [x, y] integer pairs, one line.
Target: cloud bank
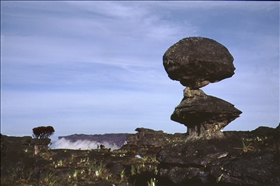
{"points": [[80, 145]]}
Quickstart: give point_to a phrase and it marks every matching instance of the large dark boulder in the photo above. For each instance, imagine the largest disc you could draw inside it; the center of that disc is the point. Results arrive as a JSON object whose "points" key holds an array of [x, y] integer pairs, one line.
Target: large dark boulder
{"points": [[197, 61], [202, 113]]}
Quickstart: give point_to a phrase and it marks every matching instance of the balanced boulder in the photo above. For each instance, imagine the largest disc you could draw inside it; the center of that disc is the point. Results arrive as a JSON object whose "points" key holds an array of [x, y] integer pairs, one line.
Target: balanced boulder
{"points": [[197, 61]]}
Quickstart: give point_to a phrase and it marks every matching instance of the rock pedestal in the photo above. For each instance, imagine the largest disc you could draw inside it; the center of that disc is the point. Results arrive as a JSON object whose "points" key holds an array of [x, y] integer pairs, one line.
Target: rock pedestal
{"points": [[202, 113], [209, 156], [196, 62]]}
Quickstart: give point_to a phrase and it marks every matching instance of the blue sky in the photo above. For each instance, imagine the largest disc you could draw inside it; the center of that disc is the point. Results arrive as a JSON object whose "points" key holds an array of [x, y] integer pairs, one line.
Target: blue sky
{"points": [[96, 67]]}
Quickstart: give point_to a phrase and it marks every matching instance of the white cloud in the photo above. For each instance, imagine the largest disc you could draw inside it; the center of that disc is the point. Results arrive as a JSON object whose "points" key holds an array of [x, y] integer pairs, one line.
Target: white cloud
{"points": [[80, 144], [133, 20], [218, 5]]}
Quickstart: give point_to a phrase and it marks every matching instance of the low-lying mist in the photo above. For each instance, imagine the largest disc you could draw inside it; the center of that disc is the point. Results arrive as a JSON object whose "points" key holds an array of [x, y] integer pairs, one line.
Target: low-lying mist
{"points": [[80, 144]]}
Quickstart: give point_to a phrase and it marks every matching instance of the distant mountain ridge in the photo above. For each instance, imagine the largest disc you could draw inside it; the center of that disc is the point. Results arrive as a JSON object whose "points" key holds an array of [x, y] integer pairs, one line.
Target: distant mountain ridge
{"points": [[117, 139]]}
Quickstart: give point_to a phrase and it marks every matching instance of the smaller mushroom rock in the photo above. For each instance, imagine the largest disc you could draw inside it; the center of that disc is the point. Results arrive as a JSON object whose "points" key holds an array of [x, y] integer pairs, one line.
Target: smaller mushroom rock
{"points": [[202, 113], [197, 61]]}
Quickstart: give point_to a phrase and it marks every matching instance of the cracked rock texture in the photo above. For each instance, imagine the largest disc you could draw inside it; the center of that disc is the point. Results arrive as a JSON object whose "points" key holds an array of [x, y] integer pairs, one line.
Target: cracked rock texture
{"points": [[198, 61]]}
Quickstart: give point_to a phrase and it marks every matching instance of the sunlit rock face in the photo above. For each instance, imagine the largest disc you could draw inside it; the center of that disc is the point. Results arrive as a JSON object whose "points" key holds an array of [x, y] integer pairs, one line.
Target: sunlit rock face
{"points": [[196, 62]]}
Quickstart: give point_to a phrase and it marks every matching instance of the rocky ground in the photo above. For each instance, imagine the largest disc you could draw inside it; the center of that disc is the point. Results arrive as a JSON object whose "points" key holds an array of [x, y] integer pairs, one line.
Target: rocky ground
{"points": [[149, 158], [22, 165]]}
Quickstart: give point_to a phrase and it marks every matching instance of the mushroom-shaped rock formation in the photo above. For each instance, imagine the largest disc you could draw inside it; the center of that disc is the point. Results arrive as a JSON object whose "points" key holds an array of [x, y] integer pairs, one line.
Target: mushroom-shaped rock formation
{"points": [[197, 61], [202, 113]]}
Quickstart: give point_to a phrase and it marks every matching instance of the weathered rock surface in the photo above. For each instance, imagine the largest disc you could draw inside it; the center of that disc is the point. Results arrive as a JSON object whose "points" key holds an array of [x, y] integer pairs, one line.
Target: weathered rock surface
{"points": [[147, 142], [240, 158], [197, 61], [202, 113], [26, 142]]}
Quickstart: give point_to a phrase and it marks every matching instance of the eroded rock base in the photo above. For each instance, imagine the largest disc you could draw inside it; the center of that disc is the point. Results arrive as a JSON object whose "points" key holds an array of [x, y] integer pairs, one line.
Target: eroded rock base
{"points": [[203, 114]]}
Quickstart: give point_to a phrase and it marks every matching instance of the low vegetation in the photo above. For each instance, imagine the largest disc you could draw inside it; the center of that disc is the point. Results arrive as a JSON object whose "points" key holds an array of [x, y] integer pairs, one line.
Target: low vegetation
{"points": [[56, 167]]}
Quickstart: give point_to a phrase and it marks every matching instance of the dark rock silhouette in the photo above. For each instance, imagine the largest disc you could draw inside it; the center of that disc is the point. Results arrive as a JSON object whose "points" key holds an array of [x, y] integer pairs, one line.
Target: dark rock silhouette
{"points": [[197, 61]]}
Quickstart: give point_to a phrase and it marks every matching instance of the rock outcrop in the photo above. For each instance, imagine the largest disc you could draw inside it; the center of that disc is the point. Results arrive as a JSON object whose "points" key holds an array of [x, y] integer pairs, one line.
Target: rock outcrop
{"points": [[147, 142], [26, 142], [195, 62], [240, 158]]}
